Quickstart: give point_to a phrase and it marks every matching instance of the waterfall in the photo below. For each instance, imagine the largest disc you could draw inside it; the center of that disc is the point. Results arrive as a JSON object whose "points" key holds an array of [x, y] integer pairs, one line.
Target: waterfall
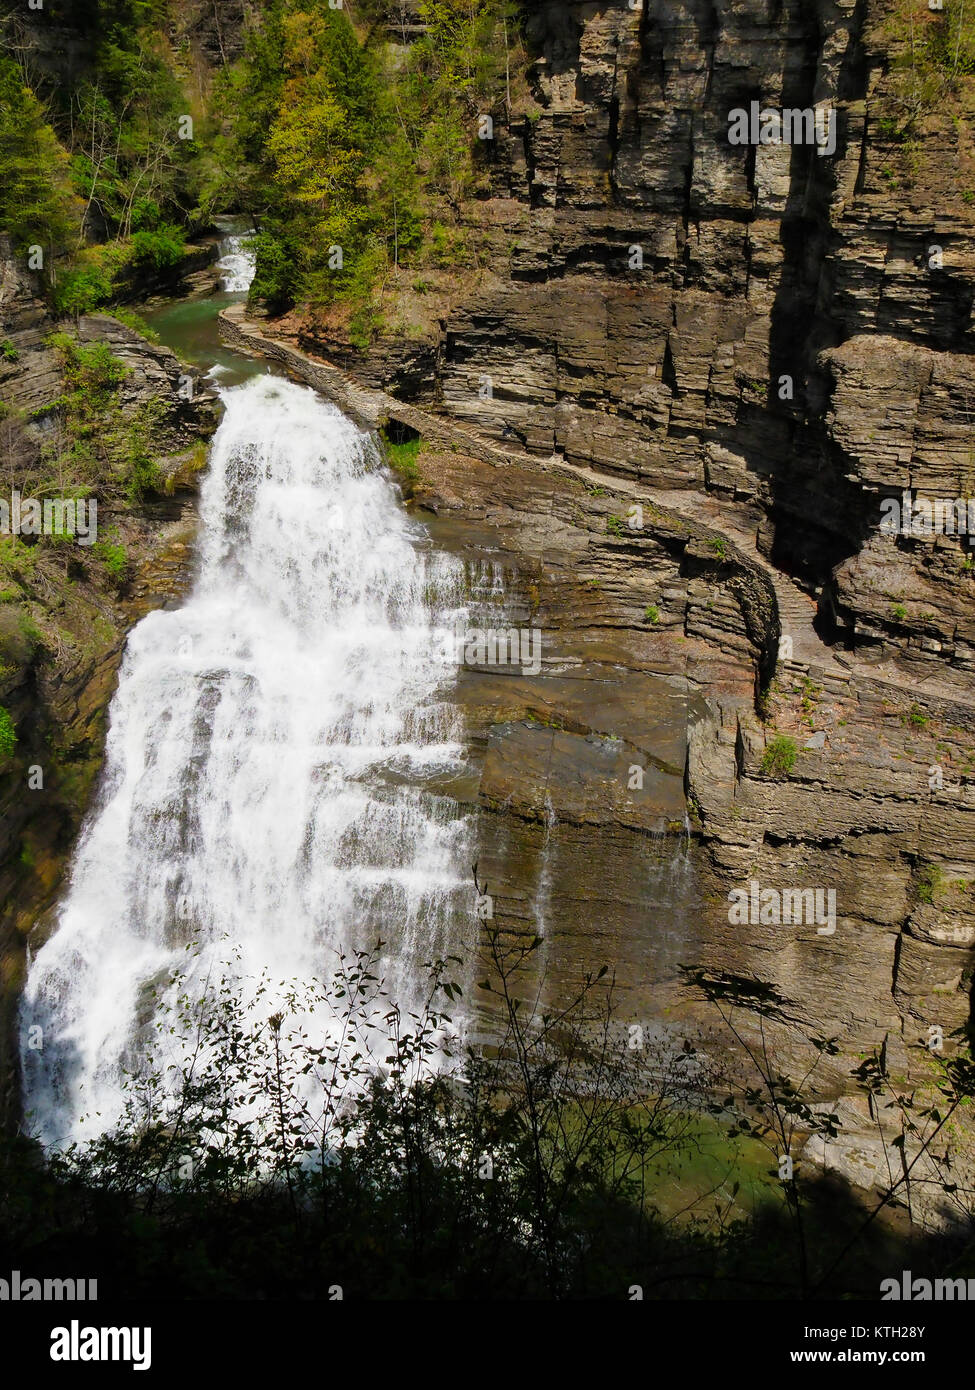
{"points": [[237, 262], [272, 759]]}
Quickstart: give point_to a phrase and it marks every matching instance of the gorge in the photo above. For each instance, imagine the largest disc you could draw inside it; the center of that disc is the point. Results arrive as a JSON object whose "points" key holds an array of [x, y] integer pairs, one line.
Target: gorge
{"points": [[673, 468]]}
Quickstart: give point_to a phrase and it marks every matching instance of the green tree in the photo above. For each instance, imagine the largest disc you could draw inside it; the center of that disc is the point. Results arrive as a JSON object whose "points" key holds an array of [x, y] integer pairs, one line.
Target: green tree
{"points": [[36, 203]]}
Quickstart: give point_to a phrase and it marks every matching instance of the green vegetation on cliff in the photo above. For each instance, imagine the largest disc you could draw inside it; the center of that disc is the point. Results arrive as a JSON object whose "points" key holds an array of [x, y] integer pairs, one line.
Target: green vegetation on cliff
{"points": [[37, 205], [8, 734], [94, 168], [932, 65]]}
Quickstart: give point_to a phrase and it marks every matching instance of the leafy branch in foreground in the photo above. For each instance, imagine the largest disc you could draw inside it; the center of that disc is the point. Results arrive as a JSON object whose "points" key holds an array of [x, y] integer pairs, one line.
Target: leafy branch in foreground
{"points": [[310, 1112], [282, 1139]]}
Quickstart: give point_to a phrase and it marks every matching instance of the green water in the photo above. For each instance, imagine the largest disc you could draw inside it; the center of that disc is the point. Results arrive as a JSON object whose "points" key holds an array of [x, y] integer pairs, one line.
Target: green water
{"points": [[190, 328]]}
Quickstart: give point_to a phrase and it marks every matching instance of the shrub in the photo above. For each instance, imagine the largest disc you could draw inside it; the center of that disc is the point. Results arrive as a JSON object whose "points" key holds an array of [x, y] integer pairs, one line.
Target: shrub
{"points": [[916, 717], [160, 249], [930, 881], [651, 613], [81, 291], [91, 369], [136, 322], [277, 274], [141, 469], [402, 458], [114, 557], [780, 755], [36, 204]]}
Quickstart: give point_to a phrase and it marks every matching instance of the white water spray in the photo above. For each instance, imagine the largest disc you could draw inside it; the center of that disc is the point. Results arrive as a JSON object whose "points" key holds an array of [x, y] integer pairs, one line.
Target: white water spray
{"points": [[266, 758], [238, 263]]}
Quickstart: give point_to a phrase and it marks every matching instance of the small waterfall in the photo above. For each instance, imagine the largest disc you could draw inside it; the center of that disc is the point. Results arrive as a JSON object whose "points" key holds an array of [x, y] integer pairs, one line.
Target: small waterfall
{"points": [[272, 759], [238, 261], [542, 901]]}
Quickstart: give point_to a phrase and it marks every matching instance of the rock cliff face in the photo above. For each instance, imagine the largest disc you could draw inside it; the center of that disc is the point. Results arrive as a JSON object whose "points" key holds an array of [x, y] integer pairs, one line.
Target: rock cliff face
{"points": [[771, 342], [753, 347], [64, 613], [649, 286]]}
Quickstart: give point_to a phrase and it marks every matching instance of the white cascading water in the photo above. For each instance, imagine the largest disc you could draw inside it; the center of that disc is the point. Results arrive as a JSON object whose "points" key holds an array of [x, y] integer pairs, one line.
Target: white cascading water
{"points": [[270, 761], [237, 263]]}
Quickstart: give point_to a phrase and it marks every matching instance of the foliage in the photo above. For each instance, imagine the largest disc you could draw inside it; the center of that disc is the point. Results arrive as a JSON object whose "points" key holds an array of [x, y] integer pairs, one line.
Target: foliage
{"points": [[930, 882], [36, 202], [136, 322], [160, 249], [784, 1114], [277, 279], [339, 144], [91, 369], [114, 556], [779, 757], [402, 457], [916, 717], [100, 274], [8, 735], [277, 1139], [97, 441], [119, 115], [379, 1147], [81, 290], [934, 60], [328, 136], [141, 472], [95, 154]]}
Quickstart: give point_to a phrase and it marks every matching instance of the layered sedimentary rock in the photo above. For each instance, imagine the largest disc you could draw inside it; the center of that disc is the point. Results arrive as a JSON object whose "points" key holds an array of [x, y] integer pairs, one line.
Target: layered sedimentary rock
{"points": [[772, 341]]}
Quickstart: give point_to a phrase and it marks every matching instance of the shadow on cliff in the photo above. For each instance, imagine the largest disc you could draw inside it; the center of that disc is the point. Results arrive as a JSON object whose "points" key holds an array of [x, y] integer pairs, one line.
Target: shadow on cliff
{"points": [[816, 518]]}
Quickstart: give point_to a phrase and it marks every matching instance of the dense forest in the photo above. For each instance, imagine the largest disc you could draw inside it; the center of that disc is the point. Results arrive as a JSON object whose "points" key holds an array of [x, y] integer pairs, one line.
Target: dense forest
{"points": [[352, 155]]}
